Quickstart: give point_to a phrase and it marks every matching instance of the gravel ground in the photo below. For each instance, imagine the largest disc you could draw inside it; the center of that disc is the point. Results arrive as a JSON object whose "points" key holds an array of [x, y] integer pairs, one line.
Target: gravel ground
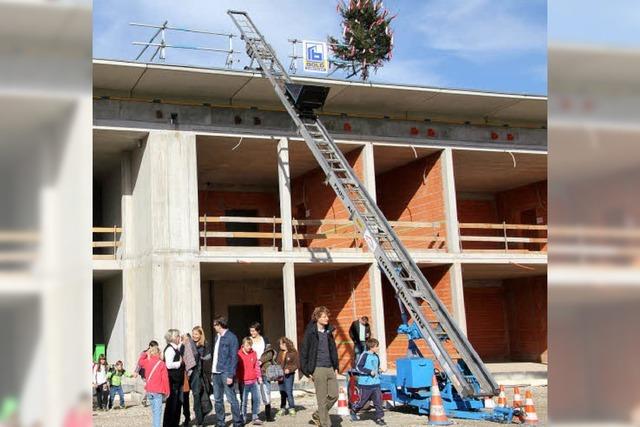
{"points": [[137, 415]]}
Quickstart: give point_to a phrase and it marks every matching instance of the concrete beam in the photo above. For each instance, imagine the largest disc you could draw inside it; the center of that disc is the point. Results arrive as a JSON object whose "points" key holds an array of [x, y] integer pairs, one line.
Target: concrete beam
{"points": [[284, 185], [290, 311], [201, 118]]}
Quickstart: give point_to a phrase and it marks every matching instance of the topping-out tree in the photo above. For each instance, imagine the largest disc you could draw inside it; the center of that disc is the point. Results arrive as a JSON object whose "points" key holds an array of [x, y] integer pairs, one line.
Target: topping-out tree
{"points": [[367, 37]]}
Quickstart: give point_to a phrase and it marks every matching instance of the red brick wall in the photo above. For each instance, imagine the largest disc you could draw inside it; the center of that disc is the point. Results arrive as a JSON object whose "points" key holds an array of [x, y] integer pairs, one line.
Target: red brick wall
{"points": [[214, 203], [414, 192], [397, 344], [478, 211], [345, 293], [512, 203], [527, 316], [309, 193], [485, 309]]}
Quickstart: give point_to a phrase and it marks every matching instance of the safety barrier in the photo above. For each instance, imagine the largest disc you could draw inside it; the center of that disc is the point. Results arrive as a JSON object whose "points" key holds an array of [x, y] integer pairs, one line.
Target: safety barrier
{"points": [[505, 237], [215, 231], [107, 246]]}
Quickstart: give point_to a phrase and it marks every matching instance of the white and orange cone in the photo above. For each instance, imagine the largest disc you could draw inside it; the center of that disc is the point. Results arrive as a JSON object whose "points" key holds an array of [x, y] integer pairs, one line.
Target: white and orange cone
{"points": [[437, 415], [517, 398], [387, 401], [502, 398], [489, 403], [343, 406], [530, 416]]}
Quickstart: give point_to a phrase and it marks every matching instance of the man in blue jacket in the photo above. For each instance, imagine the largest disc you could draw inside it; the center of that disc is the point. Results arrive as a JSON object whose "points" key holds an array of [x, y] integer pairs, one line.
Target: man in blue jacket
{"points": [[225, 360]]}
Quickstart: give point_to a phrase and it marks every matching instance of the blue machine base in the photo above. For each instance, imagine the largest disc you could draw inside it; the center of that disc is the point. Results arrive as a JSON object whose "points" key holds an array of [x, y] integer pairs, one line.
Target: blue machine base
{"points": [[411, 386]]}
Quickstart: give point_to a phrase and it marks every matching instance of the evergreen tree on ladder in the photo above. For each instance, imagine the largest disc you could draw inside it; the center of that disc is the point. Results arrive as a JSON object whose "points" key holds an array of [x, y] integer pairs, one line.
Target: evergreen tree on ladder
{"points": [[367, 38]]}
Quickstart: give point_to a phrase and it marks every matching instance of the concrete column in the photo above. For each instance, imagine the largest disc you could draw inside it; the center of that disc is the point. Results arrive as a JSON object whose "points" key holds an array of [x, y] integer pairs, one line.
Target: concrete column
{"points": [[289, 293], [450, 206], [369, 170], [457, 296], [284, 182], [125, 204], [453, 237], [375, 277], [161, 277], [377, 311]]}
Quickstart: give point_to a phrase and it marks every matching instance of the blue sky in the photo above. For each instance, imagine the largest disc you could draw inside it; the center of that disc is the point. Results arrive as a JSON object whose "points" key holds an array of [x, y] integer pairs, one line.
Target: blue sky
{"points": [[494, 45], [587, 22]]}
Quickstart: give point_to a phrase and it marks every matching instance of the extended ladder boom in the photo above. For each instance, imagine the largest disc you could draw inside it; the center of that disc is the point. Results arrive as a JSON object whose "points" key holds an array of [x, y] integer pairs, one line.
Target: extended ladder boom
{"points": [[408, 281]]}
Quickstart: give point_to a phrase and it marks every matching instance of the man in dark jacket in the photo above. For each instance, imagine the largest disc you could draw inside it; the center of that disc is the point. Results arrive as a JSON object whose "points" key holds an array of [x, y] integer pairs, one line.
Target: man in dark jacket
{"points": [[319, 361], [225, 361], [359, 332]]}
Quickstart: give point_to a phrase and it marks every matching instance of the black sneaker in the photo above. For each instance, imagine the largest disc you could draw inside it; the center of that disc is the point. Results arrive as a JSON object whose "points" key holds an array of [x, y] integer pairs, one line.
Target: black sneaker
{"points": [[380, 422], [315, 418]]}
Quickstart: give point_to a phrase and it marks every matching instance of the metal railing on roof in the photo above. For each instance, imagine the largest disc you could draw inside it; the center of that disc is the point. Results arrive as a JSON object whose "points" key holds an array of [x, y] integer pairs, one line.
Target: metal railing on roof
{"points": [[159, 41]]}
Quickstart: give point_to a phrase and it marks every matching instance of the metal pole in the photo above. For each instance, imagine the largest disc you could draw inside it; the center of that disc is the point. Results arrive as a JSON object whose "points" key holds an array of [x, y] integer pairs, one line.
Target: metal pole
{"points": [[163, 53], [230, 55], [274, 234], [205, 231], [115, 247], [152, 38], [504, 230]]}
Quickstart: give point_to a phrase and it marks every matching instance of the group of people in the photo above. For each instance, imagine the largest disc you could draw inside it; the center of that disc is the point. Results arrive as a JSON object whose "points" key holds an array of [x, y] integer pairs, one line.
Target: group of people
{"points": [[189, 365]]}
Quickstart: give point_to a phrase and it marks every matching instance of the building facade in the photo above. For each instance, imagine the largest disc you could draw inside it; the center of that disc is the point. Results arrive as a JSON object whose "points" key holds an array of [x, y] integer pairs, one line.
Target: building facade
{"points": [[207, 203]]}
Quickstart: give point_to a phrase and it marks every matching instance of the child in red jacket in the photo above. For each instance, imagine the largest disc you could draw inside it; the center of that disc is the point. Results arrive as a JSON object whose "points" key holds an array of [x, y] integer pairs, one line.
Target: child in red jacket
{"points": [[249, 376]]}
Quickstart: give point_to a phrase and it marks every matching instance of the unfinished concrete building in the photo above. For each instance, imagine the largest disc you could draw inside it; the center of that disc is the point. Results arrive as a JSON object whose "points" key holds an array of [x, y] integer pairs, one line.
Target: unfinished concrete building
{"points": [[206, 202]]}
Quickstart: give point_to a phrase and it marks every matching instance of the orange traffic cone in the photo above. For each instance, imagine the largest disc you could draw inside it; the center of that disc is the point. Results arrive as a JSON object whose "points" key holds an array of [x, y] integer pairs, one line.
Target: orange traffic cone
{"points": [[530, 416], [502, 398], [517, 399], [437, 416], [343, 408]]}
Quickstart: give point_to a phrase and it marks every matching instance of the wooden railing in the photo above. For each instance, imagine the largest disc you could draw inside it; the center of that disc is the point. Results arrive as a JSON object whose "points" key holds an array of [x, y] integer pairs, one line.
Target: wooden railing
{"points": [[602, 245], [17, 247], [325, 233], [506, 237], [107, 246]]}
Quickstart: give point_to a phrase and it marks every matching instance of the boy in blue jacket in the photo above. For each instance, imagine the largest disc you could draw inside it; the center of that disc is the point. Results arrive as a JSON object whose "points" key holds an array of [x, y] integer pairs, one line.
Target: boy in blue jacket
{"points": [[368, 368]]}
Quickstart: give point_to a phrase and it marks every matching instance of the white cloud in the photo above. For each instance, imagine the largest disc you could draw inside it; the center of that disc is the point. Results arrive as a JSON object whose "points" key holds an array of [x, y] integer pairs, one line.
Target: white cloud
{"points": [[472, 27]]}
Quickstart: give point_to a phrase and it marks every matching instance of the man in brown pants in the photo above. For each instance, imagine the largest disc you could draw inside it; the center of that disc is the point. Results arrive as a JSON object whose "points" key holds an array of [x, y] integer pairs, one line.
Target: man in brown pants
{"points": [[319, 361]]}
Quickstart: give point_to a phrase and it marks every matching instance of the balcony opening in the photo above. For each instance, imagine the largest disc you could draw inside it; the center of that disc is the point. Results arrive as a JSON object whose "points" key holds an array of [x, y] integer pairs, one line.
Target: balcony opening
{"points": [[501, 201]]}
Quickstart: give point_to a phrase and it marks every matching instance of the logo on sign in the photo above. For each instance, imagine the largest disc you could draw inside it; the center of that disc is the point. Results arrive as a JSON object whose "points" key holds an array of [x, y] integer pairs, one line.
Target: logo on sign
{"points": [[315, 57]]}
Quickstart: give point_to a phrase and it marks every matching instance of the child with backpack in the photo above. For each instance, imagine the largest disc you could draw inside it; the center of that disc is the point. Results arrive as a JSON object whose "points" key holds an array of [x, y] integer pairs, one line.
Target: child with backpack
{"points": [[288, 360], [114, 376], [271, 371], [368, 371], [249, 376]]}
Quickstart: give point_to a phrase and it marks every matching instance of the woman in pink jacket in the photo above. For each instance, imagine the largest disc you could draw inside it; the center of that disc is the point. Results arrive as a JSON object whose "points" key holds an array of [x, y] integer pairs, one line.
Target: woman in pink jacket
{"points": [[157, 382]]}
